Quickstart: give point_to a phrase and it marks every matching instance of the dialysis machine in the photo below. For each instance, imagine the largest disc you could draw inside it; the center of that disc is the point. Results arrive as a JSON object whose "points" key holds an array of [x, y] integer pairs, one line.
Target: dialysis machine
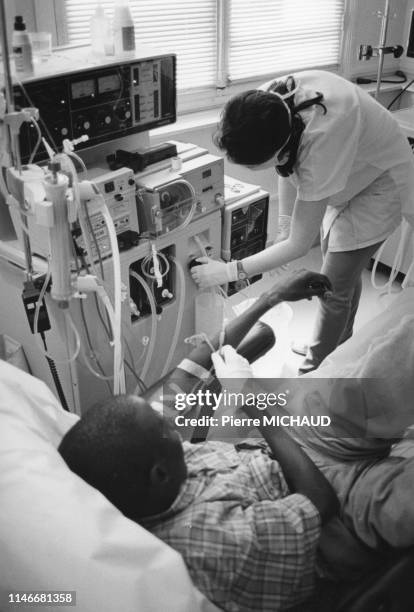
{"points": [[109, 302], [244, 231]]}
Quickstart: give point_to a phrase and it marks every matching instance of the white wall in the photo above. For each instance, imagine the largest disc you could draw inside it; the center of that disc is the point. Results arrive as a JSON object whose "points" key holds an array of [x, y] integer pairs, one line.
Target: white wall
{"points": [[407, 63], [363, 27]]}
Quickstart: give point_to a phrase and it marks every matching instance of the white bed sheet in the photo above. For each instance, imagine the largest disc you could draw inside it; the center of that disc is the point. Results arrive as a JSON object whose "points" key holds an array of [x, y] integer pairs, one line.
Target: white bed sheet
{"points": [[58, 533]]}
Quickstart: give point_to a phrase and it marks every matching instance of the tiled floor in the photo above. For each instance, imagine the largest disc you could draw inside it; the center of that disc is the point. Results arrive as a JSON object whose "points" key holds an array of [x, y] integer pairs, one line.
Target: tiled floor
{"points": [[294, 322]]}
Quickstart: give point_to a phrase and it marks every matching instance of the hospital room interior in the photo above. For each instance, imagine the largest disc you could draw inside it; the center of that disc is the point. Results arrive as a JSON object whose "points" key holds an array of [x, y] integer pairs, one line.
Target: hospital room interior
{"points": [[207, 305]]}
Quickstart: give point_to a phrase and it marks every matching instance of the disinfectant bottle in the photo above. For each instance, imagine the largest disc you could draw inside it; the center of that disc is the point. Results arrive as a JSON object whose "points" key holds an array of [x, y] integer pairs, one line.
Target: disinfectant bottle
{"points": [[22, 49], [99, 30], [124, 31]]}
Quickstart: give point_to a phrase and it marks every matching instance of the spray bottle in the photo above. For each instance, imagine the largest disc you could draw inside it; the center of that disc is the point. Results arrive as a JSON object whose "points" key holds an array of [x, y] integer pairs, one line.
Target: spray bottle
{"points": [[124, 31], [22, 49], [100, 33]]}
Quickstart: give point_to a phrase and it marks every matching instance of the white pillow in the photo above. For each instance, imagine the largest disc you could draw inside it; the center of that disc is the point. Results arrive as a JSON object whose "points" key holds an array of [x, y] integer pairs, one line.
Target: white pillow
{"points": [[58, 533]]}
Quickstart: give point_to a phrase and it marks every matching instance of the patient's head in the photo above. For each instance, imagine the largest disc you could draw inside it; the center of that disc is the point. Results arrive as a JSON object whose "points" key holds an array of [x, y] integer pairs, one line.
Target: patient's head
{"points": [[127, 451]]}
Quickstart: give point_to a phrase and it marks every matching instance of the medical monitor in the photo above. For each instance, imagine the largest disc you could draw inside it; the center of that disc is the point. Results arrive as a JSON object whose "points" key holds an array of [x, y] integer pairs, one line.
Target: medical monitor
{"points": [[104, 102]]}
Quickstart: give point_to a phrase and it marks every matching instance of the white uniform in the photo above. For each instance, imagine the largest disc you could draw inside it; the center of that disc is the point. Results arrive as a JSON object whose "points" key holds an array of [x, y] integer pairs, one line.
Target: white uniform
{"points": [[357, 158], [355, 155]]}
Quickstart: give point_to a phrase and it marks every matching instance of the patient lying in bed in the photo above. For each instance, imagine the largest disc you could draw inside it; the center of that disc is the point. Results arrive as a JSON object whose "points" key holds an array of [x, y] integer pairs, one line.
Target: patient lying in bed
{"points": [[246, 525], [375, 491], [248, 543]]}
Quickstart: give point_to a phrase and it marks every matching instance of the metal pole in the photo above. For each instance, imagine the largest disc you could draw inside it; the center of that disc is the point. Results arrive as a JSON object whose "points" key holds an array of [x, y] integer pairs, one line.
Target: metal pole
{"points": [[6, 59], [382, 43], [13, 138]]}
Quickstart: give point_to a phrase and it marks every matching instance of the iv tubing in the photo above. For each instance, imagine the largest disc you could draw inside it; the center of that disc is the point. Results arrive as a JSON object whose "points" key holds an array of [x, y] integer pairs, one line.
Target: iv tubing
{"points": [[410, 269], [213, 289], [3, 187], [69, 321], [79, 160], [119, 375], [149, 260], [151, 300], [38, 142], [405, 229], [91, 355], [180, 315], [41, 296]]}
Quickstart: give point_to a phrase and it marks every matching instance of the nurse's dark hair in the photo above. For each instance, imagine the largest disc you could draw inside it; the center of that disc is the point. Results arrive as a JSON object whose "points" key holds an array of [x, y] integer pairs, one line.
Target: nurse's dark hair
{"points": [[254, 125]]}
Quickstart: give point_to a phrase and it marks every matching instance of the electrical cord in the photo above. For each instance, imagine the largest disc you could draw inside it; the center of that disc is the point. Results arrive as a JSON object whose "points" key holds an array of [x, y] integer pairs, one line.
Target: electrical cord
{"points": [[55, 375], [365, 81], [400, 93]]}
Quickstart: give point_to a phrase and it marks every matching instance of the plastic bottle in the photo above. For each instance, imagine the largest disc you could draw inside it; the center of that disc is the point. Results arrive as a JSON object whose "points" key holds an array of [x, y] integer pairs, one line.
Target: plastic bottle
{"points": [[124, 31], [22, 49], [100, 32]]}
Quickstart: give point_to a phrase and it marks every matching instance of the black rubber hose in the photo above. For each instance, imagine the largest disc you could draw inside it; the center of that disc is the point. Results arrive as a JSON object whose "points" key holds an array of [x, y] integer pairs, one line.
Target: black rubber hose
{"points": [[400, 94], [55, 376]]}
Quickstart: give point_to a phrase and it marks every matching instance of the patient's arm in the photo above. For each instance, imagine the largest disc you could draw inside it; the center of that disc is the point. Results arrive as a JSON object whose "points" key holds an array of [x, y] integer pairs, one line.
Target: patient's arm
{"points": [[301, 474], [298, 285], [295, 286]]}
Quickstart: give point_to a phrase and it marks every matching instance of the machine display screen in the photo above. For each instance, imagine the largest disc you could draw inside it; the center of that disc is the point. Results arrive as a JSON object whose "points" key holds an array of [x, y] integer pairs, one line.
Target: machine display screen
{"points": [[110, 82], [83, 89], [105, 102]]}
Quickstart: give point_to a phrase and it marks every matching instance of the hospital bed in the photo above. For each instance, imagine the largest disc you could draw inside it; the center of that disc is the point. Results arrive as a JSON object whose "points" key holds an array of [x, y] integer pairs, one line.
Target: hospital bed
{"points": [[388, 588], [58, 533]]}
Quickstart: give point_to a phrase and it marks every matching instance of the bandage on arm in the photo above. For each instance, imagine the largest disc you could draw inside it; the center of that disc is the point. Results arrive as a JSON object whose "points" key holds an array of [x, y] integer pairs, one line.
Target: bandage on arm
{"points": [[234, 333], [306, 220]]}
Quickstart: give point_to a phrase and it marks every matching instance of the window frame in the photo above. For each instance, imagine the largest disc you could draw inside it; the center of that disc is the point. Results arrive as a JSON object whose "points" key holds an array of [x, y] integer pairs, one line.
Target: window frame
{"points": [[50, 14]]}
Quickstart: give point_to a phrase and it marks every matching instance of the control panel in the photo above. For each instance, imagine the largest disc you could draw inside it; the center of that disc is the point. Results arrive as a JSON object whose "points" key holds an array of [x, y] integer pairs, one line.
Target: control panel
{"points": [[166, 197], [103, 103], [245, 231], [118, 190]]}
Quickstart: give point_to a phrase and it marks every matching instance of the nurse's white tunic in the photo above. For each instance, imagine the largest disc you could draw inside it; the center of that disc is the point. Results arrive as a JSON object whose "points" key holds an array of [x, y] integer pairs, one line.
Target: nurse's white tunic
{"points": [[357, 156]]}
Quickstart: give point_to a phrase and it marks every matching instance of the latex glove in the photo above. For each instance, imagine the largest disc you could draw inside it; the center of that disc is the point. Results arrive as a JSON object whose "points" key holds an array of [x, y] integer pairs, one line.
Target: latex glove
{"points": [[232, 369], [283, 228], [213, 272]]}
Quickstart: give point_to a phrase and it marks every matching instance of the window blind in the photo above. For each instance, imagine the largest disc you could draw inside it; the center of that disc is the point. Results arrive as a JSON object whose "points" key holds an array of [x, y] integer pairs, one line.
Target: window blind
{"points": [[277, 36], [185, 27]]}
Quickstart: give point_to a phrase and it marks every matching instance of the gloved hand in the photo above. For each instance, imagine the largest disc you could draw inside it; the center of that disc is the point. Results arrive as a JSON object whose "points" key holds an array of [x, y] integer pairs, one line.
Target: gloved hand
{"points": [[232, 369], [283, 228], [213, 272]]}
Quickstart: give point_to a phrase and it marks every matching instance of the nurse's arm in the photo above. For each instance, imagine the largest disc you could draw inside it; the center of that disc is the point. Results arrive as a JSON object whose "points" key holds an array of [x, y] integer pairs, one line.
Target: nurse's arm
{"points": [[287, 197], [306, 221], [298, 285]]}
